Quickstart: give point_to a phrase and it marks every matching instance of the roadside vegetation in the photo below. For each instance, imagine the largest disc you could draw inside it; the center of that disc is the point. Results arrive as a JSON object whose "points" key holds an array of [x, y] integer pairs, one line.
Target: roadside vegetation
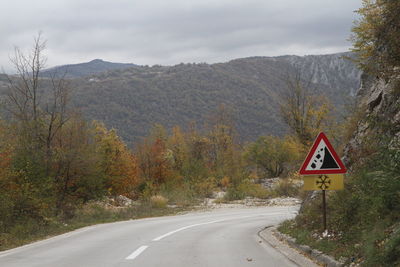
{"points": [[364, 218]]}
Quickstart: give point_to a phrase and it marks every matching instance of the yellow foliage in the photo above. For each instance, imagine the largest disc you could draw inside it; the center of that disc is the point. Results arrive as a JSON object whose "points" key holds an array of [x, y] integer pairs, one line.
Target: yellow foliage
{"points": [[119, 164], [158, 201], [225, 181]]}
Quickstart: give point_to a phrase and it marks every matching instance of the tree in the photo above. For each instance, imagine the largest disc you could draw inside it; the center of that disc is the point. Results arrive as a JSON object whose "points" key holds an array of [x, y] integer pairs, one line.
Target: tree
{"points": [[54, 155], [38, 118], [76, 166], [272, 154], [155, 160], [118, 164], [302, 109], [376, 37]]}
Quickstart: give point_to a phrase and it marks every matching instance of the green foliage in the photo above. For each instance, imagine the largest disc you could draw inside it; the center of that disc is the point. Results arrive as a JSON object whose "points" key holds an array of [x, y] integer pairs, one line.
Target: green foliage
{"points": [[376, 37], [182, 196], [246, 189], [362, 218], [158, 201], [273, 155], [286, 187], [133, 99], [305, 112], [332, 245], [117, 163]]}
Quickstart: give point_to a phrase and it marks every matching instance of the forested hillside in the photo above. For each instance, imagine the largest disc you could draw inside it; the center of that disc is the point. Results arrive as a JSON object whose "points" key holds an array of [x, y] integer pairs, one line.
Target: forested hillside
{"points": [[133, 99], [84, 69]]}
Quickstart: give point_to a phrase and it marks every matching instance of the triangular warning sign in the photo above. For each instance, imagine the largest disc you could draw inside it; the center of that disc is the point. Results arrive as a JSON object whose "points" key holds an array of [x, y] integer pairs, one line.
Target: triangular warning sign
{"points": [[322, 158]]}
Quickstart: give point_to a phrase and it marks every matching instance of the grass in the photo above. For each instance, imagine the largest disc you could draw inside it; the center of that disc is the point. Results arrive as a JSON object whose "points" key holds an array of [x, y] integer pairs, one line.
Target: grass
{"points": [[331, 244], [363, 220]]}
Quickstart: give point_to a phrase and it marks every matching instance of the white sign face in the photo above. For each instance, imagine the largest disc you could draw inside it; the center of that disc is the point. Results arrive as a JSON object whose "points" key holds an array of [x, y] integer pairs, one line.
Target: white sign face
{"points": [[322, 159]]}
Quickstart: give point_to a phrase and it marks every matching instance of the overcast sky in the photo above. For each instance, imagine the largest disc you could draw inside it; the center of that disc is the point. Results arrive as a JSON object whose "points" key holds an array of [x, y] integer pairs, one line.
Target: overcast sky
{"points": [[168, 32]]}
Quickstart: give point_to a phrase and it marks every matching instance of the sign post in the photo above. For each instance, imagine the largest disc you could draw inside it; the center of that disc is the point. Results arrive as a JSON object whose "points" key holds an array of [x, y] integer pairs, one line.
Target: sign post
{"points": [[322, 170]]}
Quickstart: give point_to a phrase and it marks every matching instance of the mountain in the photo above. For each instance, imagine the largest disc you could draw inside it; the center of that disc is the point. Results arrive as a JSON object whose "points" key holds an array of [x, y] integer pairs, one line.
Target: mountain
{"points": [[84, 69], [334, 70], [133, 99]]}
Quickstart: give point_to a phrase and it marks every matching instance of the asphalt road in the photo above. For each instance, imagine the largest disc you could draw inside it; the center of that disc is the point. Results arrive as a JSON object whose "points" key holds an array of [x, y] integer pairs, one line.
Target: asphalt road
{"points": [[226, 237]]}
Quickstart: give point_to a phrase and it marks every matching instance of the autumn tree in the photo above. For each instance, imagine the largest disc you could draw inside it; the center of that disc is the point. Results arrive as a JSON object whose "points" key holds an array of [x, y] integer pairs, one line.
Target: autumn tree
{"points": [[54, 155], [38, 115], [38, 106], [272, 155], [221, 134], [118, 163], [76, 169], [154, 160], [198, 170], [376, 37], [304, 110], [226, 159]]}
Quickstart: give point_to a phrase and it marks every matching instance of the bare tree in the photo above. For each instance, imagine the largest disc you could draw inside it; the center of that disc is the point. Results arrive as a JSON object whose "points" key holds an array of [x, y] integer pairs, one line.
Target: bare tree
{"points": [[301, 108], [39, 120], [23, 98]]}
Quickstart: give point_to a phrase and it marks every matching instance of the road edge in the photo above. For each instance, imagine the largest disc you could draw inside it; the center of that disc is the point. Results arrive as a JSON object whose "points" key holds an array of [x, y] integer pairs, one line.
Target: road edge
{"points": [[292, 254], [272, 236]]}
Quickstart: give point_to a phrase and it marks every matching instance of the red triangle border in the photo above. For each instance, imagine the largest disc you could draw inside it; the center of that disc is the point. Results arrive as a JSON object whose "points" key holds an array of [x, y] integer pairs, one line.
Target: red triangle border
{"points": [[322, 136]]}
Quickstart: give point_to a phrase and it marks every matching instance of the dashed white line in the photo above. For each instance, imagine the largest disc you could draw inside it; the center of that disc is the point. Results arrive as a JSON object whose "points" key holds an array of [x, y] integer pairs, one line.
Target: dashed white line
{"points": [[136, 253]]}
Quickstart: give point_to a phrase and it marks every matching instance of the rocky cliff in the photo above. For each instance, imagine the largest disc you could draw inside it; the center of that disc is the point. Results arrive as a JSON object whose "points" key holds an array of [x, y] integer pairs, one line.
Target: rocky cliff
{"points": [[378, 120], [332, 70]]}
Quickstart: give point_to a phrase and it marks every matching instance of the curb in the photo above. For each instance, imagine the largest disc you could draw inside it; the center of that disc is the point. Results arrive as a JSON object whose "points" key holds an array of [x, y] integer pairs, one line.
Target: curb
{"points": [[314, 254], [285, 249]]}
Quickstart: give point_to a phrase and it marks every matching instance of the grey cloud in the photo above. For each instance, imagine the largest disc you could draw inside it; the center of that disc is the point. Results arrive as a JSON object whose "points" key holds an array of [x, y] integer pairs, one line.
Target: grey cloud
{"points": [[169, 32]]}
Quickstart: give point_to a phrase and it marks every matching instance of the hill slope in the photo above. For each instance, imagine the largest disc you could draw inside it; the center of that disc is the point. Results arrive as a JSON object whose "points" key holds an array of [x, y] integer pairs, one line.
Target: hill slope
{"points": [[133, 99], [84, 69]]}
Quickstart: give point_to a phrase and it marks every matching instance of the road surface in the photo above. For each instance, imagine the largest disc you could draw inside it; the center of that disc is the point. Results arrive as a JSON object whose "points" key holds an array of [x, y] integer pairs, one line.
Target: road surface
{"points": [[225, 237]]}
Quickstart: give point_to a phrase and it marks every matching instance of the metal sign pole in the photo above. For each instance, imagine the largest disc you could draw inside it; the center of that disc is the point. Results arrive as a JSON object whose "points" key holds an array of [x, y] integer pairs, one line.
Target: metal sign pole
{"points": [[324, 162], [324, 209]]}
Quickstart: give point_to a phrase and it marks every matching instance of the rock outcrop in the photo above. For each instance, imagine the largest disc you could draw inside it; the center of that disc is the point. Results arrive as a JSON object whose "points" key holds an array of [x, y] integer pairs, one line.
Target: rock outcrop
{"points": [[379, 103]]}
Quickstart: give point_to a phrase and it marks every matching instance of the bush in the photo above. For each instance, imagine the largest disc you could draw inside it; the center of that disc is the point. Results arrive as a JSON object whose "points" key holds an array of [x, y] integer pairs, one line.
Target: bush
{"points": [[158, 201], [206, 187], [286, 187], [246, 189], [181, 196]]}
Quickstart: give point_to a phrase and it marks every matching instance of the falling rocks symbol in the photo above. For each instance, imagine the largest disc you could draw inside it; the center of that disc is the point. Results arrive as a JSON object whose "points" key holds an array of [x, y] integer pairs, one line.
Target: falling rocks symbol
{"points": [[322, 159], [325, 159], [329, 162]]}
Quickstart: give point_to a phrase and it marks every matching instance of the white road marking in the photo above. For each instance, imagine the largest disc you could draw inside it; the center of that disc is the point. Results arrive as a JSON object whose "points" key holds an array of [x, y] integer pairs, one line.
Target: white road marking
{"points": [[136, 253], [184, 228], [199, 224]]}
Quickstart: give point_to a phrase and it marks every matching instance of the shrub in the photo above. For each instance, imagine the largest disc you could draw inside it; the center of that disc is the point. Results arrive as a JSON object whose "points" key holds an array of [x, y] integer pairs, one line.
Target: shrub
{"points": [[158, 201], [206, 187], [286, 187], [246, 189], [182, 195]]}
